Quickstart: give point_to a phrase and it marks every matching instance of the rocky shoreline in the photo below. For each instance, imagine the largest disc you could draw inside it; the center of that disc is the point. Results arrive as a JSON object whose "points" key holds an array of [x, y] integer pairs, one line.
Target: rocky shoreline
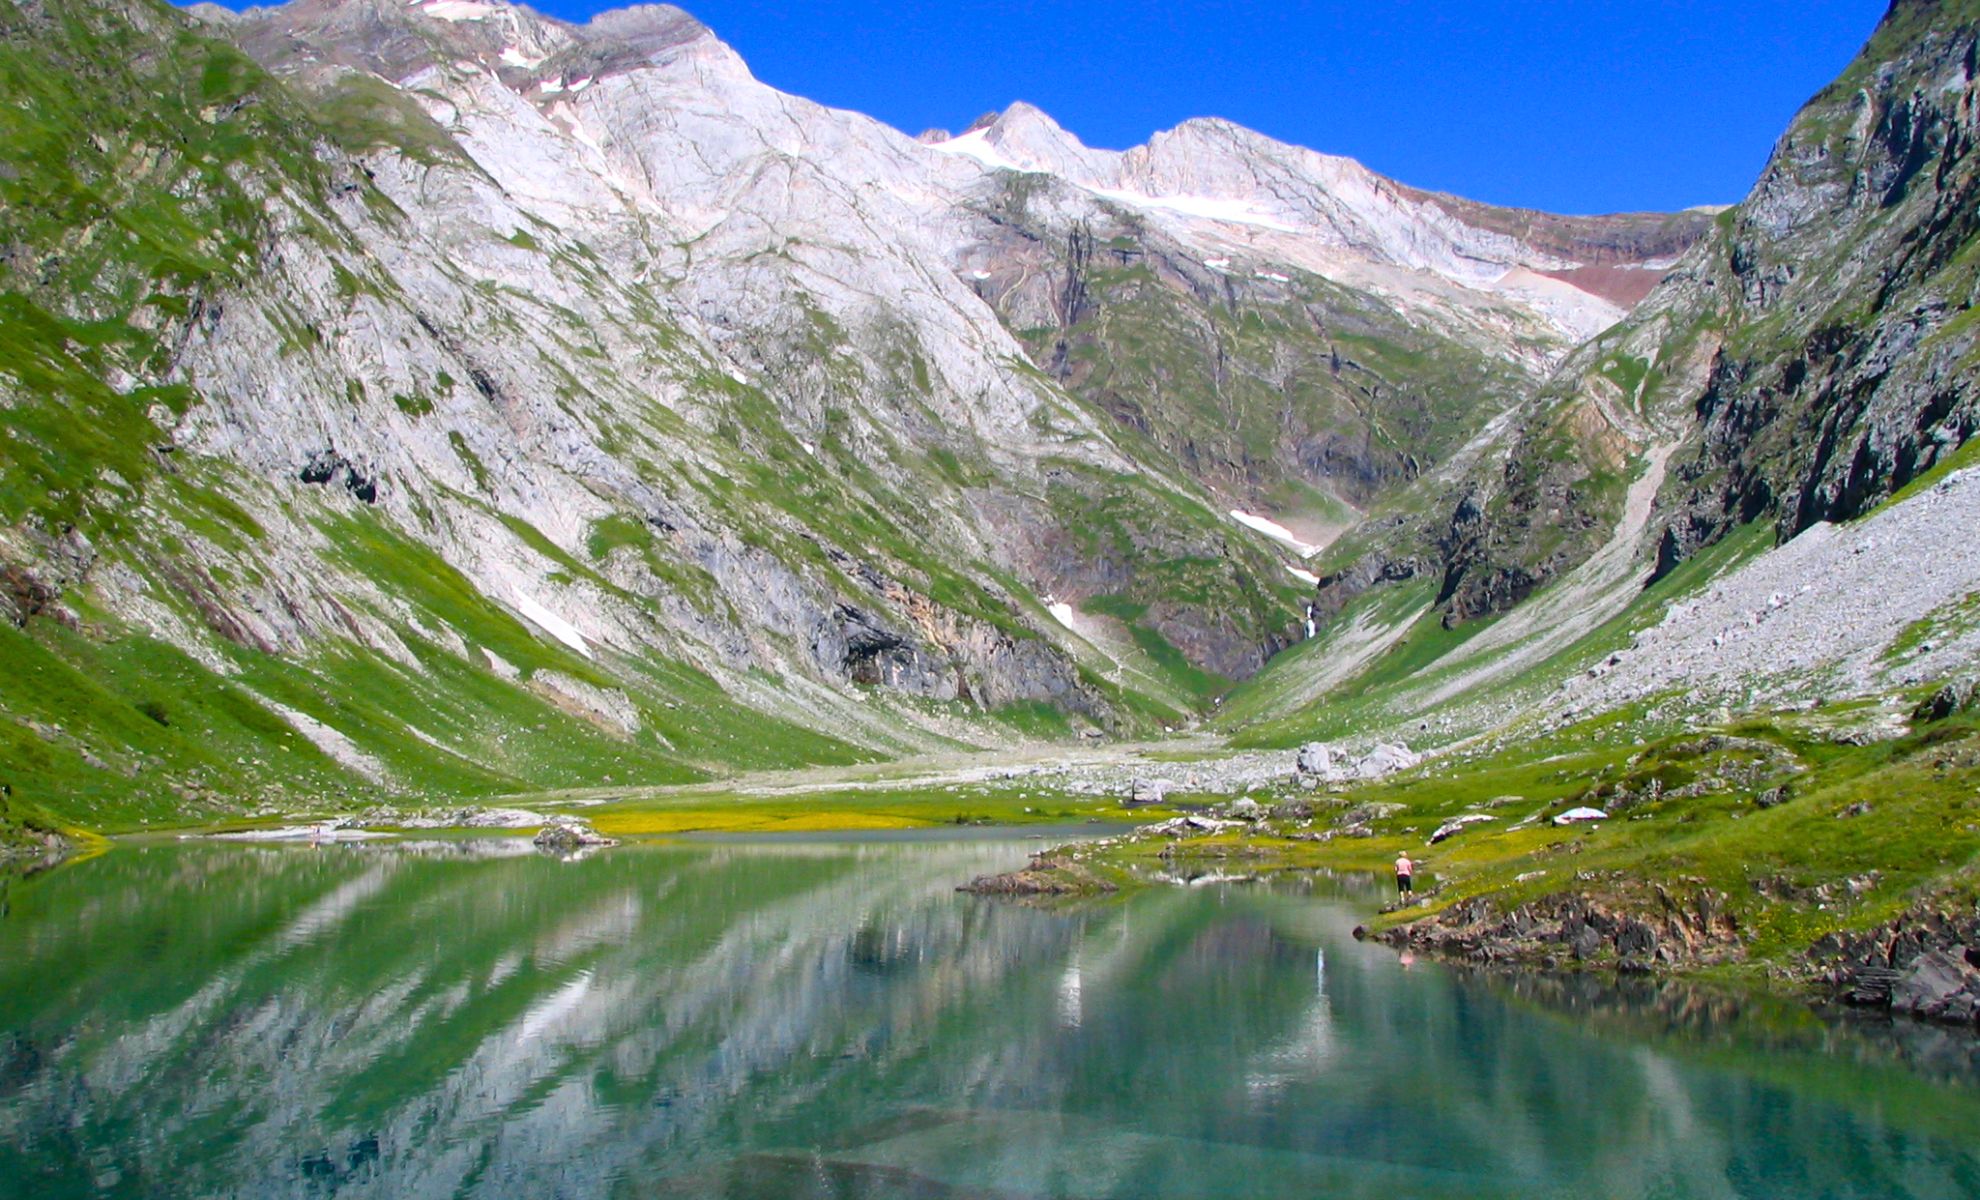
{"points": [[1924, 964], [35, 852], [1689, 928]]}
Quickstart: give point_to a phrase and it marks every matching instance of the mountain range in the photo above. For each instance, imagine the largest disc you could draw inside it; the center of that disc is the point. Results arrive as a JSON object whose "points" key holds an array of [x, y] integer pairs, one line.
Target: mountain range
{"points": [[441, 398]]}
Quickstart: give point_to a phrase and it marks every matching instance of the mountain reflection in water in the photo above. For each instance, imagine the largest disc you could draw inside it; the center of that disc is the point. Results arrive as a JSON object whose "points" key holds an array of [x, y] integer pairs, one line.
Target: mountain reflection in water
{"points": [[764, 1020]]}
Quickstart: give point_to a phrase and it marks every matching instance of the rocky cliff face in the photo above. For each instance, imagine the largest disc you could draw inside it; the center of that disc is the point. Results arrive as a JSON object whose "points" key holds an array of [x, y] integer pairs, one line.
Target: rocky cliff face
{"points": [[464, 394], [1847, 366], [1799, 364]]}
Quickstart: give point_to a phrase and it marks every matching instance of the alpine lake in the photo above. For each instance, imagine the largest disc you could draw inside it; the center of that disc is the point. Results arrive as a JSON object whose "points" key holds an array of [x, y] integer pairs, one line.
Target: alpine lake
{"points": [[831, 1018]]}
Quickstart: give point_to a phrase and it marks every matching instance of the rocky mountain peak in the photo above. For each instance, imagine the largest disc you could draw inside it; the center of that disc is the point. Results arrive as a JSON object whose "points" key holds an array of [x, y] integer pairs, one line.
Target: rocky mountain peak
{"points": [[648, 29], [396, 40], [1028, 137], [212, 14]]}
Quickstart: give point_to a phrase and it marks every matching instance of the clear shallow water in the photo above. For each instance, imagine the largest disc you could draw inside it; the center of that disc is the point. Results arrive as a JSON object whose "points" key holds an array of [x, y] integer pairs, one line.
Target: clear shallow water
{"points": [[814, 1020]]}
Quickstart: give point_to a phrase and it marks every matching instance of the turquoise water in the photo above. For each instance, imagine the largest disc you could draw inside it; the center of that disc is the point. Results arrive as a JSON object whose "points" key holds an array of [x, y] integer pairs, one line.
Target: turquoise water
{"points": [[833, 1020]]}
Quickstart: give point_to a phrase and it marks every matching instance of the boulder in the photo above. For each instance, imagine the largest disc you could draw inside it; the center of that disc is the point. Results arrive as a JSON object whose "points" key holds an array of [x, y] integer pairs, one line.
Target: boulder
{"points": [[1955, 697], [1245, 810], [1191, 825], [1456, 825], [1315, 759], [1386, 759], [565, 836], [1939, 985]]}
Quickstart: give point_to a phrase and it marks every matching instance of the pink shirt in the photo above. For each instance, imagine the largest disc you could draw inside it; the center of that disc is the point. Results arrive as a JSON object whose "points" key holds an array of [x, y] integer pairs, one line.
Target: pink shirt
{"points": [[1404, 866]]}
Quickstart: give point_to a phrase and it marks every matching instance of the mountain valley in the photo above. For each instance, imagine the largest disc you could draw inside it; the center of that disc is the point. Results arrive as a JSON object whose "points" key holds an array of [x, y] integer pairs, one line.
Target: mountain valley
{"points": [[436, 405]]}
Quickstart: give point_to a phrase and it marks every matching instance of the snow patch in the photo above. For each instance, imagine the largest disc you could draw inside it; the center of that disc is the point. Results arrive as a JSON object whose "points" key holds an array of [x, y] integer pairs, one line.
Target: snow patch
{"points": [[1575, 816], [1062, 613], [1277, 532], [1274, 276], [1208, 208], [460, 10], [977, 146], [513, 56], [552, 624], [568, 115], [1306, 577]]}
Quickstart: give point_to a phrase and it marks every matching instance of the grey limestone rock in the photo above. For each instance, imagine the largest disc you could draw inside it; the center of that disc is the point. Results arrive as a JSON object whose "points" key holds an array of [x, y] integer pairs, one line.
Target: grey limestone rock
{"points": [[1939, 985]]}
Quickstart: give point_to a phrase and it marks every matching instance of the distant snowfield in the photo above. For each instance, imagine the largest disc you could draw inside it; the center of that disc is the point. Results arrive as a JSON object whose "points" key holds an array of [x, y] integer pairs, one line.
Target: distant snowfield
{"points": [[1277, 532], [457, 10], [1306, 577], [1209, 208]]}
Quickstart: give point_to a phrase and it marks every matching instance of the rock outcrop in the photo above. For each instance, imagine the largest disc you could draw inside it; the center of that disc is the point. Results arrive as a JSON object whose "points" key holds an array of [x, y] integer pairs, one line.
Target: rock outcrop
{"points": [[568, 835], [1050, 873], [1925, 964], [1675, 927], [1799, 364]]}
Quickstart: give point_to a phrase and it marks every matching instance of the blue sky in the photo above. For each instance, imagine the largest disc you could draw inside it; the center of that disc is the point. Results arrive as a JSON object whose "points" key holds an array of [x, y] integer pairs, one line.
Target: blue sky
{"points": [[1568, 105]]}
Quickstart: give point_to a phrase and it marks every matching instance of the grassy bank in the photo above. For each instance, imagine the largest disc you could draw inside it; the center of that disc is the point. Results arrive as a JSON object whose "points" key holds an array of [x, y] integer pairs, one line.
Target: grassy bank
{"points": [[1799, 824]]}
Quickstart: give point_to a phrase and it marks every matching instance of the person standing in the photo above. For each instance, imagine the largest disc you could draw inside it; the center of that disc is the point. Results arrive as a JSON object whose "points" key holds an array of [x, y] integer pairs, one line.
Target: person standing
{"points": [[1405, 873]]}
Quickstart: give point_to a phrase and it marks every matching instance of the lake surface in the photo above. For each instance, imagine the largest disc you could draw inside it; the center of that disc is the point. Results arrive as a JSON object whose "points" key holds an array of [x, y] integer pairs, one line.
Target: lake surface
{"points": [[833, 1020]]}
